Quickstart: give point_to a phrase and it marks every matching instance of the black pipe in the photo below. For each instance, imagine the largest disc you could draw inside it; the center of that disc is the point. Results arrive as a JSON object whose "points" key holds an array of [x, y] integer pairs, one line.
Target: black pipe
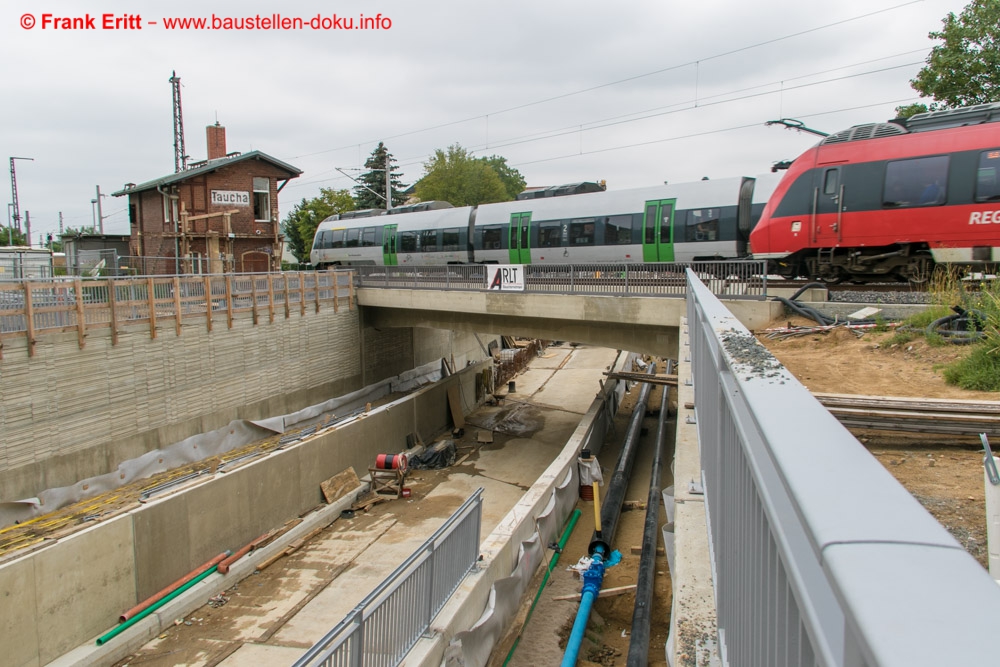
{"points": [[638, 649], [611, 505]]}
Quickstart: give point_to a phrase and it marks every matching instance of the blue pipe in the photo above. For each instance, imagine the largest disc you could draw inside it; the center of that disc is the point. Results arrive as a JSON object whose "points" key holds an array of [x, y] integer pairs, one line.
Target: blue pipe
{"points": [[592, 580]]}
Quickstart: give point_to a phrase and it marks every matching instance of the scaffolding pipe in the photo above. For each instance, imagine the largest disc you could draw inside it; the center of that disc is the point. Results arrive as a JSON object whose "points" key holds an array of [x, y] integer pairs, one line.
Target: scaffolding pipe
{"points": [[615, 495], [638, 649]]}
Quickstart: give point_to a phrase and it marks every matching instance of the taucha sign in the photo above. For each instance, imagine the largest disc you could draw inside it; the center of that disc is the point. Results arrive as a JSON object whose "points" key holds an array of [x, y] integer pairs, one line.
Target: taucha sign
{"points": [[230, 198]]}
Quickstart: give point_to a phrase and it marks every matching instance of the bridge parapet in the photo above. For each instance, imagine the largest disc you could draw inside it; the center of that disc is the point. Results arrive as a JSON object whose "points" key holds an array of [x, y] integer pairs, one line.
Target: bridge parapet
{"points": [[818, 555]]}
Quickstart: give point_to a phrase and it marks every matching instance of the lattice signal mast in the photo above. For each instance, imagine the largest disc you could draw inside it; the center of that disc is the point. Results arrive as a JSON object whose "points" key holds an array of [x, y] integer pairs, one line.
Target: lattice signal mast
{"points": [[180, 155], [13, 191]]}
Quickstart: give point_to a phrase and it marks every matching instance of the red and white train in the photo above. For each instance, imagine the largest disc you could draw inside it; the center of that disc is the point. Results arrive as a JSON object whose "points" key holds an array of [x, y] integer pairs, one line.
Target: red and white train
{"points": [[889, 200]]}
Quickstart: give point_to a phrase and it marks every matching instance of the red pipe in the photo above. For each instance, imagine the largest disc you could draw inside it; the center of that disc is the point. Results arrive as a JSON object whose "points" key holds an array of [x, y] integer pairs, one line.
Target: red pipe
{"points": [[172, 587], [227, 563]]}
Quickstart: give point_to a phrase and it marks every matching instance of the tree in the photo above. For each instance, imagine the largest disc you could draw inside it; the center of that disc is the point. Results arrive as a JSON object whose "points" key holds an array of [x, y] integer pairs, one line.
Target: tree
{"points": [[10, 236], [911, 110], [965, 69], [374, 180], [299, 226], [460, 179], [513, 181]]}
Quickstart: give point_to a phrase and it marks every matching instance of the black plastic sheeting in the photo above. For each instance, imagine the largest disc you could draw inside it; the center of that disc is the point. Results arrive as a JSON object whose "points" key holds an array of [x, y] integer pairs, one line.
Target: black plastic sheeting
{"points": [[439, 455]]}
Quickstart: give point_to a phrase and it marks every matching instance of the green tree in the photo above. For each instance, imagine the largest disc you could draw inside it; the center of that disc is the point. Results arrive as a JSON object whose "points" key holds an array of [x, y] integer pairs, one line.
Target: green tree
{"points": [[10, 236], [965, 68], [911, 110], [299, 226], [456, 177], [373, 181], [513, 181]]}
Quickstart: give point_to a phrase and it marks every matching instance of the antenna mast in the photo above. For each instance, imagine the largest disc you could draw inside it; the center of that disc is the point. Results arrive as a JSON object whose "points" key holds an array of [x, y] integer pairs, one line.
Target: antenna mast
{"points": [[180, 155]]}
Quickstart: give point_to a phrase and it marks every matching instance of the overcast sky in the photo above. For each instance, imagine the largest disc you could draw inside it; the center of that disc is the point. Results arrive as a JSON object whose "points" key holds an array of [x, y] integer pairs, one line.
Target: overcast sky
{"points": [[635, 93]]}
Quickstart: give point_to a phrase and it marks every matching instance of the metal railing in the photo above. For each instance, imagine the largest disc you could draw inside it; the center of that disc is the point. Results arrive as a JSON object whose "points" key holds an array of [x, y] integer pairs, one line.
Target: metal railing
{"points": [[738, 279], [819, 556], [34, 307], [383, 627]]}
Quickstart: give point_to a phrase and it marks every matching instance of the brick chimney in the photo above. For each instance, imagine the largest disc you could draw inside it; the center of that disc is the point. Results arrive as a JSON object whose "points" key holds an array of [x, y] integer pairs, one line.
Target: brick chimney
{"points": [[216, 135]]}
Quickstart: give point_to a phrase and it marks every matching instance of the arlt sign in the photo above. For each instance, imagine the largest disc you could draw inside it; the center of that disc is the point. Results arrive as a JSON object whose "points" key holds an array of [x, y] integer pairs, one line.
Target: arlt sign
{"points": [[506, 277]]}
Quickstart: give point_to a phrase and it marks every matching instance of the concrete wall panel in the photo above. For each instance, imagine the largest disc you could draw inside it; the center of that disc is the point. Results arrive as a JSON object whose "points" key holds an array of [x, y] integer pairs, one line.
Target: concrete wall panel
{"points": [[82, 584], [162, 545], [18, 622], [218, 515]]}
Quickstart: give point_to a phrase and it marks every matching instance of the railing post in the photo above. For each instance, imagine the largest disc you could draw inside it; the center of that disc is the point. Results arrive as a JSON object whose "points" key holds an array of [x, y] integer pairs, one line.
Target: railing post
{"points": [[429, 612], [626, 279], [177, 303], [81, 315], [151, 298], [112, 305], [229, 300], [572, 276], [29, 316], [336, 297], [253, 295], [358, 644], [302, 294], [270, 299]]}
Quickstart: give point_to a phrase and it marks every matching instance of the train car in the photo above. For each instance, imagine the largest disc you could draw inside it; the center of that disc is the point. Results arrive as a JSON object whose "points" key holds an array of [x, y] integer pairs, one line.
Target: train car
{"points": [[703, 220], [889, 200]]}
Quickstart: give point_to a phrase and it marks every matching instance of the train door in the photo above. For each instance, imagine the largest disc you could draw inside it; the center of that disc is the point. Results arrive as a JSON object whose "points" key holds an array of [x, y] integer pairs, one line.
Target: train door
{"points": [[658, 231], [519, 237], [389, 245], [828, 205]]}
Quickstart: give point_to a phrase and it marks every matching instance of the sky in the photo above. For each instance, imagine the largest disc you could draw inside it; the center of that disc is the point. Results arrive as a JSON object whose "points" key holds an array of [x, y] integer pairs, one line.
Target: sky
{"points": [[632, 93]]}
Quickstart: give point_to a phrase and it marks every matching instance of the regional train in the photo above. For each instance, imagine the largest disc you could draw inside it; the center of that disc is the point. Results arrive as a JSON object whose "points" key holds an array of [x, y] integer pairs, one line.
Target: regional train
{"points": [[699, 221], [883, 201], [889, 200]]}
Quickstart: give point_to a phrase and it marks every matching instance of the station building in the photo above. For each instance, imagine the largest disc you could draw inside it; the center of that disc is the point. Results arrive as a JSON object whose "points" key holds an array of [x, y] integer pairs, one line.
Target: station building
{"points": [[217, 216]]}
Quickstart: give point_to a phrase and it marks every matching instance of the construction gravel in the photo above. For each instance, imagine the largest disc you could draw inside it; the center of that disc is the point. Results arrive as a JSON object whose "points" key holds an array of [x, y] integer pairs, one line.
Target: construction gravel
{"points": [[897, 296]]}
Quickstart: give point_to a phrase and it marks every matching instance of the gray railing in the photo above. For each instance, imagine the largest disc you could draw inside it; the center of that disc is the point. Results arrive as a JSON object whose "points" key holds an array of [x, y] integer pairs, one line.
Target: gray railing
{"points": [[384, 626], [733, 279], [819, 556]]}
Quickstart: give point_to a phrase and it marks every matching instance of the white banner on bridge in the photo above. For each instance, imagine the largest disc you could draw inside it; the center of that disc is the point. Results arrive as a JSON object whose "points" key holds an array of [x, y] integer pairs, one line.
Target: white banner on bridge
{"points": [[506, 277]]}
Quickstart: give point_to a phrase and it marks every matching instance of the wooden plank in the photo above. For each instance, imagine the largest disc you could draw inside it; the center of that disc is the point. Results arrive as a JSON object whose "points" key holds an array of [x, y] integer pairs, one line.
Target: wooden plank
{"points": [[605, 593], [316, 290], [350, 291], [302, 295], [177, 303], [651, 378], [113, 306], [229, 301], [208, 302], [253, 295], [340, 485], [81, 315], [638, 550], [151, 296], [270, 299], [336, 297], [288, 307], [29, 314], [455, 405], [907, 403]]}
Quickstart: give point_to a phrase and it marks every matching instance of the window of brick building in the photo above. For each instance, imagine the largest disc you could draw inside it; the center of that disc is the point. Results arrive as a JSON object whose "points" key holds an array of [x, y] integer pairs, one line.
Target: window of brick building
{"points": [[262, 199]]}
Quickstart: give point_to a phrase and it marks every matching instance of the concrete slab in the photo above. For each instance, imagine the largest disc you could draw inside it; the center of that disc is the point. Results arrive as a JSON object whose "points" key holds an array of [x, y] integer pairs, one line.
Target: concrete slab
{"points": [[254, 655], [529, 381], [17, 582], [552, 357], [565, 391]]}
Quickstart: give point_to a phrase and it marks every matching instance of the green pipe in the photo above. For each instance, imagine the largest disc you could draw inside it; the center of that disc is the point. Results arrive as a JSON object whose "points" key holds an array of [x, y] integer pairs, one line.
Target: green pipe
{"points": [[552, 563], [150, 609]]}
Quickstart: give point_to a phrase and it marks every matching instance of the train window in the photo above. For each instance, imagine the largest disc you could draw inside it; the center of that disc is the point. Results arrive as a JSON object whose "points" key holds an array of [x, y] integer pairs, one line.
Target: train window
{"points": [[988, 177], [336, 238], [702, 224], [830, 181], [492, 237], [581, 232], [429, 240], [618, 230], [407, 241], [353, 238], [368, 237], [549, 234], [451, 239], [917, 182], [651, 224]]}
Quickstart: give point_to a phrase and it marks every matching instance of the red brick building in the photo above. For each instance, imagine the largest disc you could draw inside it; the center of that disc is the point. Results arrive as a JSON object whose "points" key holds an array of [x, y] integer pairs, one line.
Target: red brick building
{"points": [[217, 216]]}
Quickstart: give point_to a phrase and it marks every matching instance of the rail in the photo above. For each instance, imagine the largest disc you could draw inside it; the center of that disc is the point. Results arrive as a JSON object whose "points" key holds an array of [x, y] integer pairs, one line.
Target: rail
{"points": [[819, 556], [35, 307], [384, 626], [738, 279]]}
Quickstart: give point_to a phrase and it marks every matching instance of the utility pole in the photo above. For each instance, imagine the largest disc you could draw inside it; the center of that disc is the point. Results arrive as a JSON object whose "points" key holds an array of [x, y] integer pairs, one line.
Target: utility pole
{"points": [[60, 223], [13, 191], [100, 217], [180, 155]]}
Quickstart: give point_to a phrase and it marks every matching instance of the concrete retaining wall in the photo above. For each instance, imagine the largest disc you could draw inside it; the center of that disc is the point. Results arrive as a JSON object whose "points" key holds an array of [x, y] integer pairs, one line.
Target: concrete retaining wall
{"points": [[68, 414], [67, 594]]}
